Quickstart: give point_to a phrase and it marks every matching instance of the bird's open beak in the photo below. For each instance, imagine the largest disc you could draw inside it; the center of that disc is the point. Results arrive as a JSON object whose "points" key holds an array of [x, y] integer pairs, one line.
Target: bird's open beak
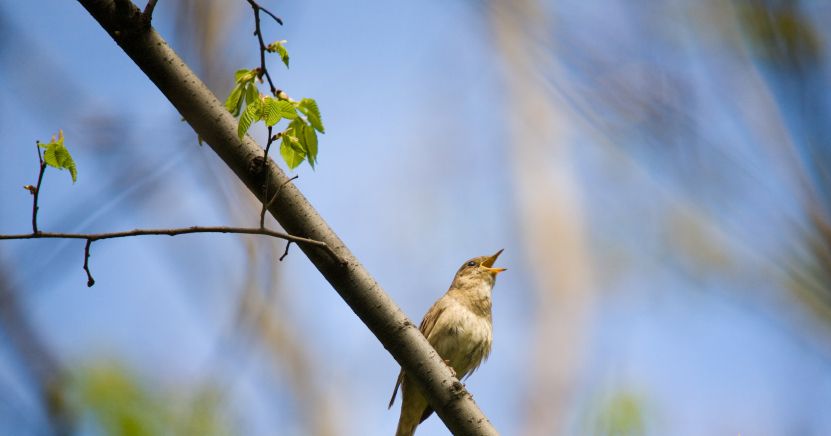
{"points": [[488, 263]]}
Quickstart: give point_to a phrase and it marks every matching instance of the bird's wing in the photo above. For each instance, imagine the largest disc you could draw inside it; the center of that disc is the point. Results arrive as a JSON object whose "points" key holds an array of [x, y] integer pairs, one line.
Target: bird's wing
{"points": [[431, 317], [483, 350], [426, 328]]}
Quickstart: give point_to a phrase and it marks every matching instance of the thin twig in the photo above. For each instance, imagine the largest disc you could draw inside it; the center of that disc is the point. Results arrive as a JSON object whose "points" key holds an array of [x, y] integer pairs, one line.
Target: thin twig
{"points": [[92, 237], [147, 15], [271, 139], [258, 31], [267, 205], [256, 6], [168, 232], [40, 156], [37, 190], [276, 18], [90, 280], [285, 253], [267, 175]]}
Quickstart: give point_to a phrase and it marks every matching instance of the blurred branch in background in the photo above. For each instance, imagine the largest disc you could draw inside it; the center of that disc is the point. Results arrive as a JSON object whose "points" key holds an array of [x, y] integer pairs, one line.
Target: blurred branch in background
{"points": [[724, 141], [45, 372], [291, 354], [790, 54], [550, 208], [204, 35], [261, 322]]}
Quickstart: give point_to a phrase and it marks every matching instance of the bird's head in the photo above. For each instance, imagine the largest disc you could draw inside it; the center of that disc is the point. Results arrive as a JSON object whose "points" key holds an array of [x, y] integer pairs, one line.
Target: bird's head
{"points": [[477, 270]]}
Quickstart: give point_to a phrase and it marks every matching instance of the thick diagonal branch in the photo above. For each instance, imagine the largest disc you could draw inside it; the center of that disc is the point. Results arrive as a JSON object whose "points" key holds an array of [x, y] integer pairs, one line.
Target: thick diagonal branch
{"points": [[351, 280]]}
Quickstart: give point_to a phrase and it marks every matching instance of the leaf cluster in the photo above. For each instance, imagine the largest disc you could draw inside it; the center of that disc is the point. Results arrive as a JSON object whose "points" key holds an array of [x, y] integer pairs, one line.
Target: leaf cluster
{"points": [[299, 138]]}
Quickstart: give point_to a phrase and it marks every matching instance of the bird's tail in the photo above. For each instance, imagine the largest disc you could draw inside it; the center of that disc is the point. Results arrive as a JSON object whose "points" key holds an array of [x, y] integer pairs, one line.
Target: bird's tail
{"points": [[413, 408], [405, 428]]}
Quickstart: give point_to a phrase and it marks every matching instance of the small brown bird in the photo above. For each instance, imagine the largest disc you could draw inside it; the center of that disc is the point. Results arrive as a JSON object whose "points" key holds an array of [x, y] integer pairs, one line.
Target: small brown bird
{"points": [[459, 327]]}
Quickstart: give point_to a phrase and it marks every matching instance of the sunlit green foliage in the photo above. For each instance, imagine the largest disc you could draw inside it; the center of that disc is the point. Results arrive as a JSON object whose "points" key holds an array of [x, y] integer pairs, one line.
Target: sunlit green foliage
{"points": [[57, 156], [299, 138]]}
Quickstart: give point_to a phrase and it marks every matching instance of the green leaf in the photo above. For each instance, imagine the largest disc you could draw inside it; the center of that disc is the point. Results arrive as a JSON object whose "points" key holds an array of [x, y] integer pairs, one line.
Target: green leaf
{"points": [[296, 144], [242, 76], [286, 109], [303, 138], [295, 128], [234, 101], [294, 134], [279, 47], [250, 115], [251, 93], [308, 106], [289, 152], [57, 156], [310, 138], [271, 111]]}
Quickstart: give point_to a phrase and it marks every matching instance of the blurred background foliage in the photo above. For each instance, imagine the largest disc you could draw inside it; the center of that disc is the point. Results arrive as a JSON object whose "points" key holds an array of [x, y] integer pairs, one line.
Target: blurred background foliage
{"points": [[659, 174], [109, 399]]}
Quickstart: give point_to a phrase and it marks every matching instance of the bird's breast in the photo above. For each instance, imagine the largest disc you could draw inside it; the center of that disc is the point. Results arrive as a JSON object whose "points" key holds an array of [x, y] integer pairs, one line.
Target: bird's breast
{"points": [[462, 337]]}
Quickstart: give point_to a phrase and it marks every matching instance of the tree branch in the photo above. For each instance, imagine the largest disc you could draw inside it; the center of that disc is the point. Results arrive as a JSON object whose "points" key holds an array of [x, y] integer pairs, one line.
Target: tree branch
{"points": [[257, 6], [267, 205], [176, 231], [90, 280], [36, 190], [351, 280], [259, 32], [285, 253], [147, 15], [35, 357], [92, 237]]}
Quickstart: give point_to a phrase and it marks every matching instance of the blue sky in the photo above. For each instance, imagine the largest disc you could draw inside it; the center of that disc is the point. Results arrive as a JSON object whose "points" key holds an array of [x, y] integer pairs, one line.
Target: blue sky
{"points": [[414, 174]]}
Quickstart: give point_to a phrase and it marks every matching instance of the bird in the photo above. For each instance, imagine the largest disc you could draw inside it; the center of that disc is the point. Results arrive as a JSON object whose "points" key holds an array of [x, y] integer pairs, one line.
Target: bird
{"points": [[459, 326]]}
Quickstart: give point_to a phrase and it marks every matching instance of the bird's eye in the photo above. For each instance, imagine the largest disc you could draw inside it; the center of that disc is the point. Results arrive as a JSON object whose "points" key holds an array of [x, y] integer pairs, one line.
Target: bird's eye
{"points": [[471, 263]]}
